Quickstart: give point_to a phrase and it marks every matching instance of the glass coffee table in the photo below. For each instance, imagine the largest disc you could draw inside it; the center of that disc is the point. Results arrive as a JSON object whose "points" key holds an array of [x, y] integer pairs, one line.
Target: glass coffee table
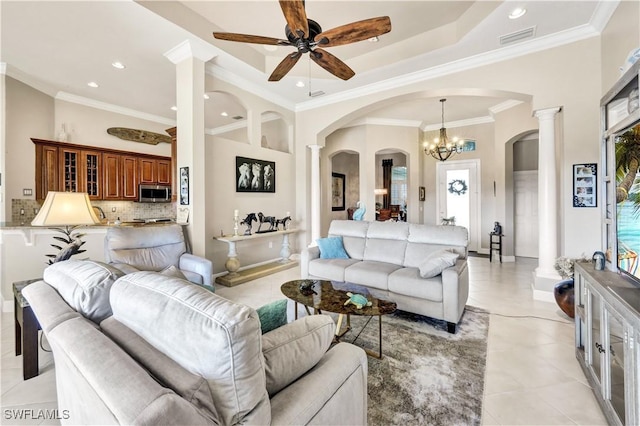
{"points": [[330, 296]]}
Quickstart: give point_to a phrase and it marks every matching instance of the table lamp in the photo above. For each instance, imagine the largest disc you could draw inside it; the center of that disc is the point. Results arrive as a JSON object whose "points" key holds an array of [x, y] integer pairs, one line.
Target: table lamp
{"points": [[64, 212]]}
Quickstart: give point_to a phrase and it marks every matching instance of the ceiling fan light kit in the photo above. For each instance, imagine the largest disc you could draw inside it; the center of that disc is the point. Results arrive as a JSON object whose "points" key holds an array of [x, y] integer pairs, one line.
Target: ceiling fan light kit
{"points": [[306, 36], [442, 149]]}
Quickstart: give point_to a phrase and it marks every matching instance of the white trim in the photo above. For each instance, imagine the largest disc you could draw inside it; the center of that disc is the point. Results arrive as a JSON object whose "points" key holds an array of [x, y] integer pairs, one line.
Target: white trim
{"points": [[3, 68], [227, 128], [253, 265], [192, 48], [508, 259], [384, 122], [459, 123], [68, 97], [503, 106]]}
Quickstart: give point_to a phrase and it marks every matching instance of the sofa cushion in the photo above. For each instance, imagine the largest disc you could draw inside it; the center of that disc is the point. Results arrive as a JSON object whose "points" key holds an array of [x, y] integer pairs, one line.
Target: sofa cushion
{"points": [[330, 269], [371, 274], [331, 248], [353, 235], [453, 237], [408, 282], [272, 315], [382, 250], [84, 285], [388, 230], [436, 263], [215, 338], [292, 350], [151, 248]]}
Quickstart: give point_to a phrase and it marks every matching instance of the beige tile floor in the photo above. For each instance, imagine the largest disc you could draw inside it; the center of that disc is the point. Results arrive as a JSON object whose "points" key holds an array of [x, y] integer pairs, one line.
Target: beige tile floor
{"points": [[532, 376]]}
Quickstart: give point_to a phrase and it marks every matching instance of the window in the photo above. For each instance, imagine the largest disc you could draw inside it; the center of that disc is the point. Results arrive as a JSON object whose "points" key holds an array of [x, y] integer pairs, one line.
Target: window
{"points": [[399, 185]]}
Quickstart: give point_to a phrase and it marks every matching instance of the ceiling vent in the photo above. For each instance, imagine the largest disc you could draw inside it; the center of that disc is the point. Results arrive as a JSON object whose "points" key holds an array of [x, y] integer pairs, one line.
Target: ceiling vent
{"points": [[517, 36]]}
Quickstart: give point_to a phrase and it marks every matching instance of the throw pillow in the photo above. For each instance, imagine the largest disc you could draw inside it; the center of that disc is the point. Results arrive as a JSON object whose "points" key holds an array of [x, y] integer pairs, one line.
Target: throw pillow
{"points": [[172, 271], [437, 262], [85, 285], [272, 315], [292, 350], [332, 248]]}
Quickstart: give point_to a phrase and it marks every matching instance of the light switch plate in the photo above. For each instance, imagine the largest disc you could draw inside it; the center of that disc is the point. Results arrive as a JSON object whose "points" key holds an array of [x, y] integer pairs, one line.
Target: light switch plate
{"points": [[27, 191]]}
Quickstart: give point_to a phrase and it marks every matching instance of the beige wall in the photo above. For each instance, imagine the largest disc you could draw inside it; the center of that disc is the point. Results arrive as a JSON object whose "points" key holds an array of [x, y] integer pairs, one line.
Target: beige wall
{"points": [[621, 35], [29, 113]]}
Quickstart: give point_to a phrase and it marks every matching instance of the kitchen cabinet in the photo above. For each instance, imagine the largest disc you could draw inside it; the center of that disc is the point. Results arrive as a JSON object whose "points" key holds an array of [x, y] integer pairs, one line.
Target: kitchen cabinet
{"points": [[607, 330], [104, 174]]}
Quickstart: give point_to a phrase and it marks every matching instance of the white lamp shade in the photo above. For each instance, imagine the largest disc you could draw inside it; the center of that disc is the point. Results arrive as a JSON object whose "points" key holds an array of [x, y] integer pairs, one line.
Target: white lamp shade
{"points": [[66, 208], [380, 191]]}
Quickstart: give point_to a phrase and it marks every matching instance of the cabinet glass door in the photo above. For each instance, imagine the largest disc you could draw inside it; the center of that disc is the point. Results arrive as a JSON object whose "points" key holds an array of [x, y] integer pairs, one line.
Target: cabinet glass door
{"points": [[596, 338], [616, 364], [92, 174], [70, 171]]}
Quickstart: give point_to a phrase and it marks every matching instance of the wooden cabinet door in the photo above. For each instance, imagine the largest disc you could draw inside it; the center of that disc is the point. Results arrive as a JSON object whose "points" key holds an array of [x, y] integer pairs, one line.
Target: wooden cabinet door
{"points": [[91, 177], [129, 177], [112, 176], [70, 169], [148, 170], [164, 171], [47, 174]]}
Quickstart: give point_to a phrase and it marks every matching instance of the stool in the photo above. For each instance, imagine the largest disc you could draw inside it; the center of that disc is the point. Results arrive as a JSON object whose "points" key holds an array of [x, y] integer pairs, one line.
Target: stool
{"points": [[495, 244]]}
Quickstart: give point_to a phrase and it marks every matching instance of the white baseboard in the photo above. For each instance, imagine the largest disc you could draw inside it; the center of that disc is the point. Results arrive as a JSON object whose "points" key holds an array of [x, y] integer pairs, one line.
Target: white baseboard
{"points": [[506, 259], [253, 265], [483, 251]]}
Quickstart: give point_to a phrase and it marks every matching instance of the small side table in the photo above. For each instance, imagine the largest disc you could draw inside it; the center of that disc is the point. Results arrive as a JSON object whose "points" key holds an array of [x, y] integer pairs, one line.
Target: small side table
{"points": [[495, 242], [26, 328]]}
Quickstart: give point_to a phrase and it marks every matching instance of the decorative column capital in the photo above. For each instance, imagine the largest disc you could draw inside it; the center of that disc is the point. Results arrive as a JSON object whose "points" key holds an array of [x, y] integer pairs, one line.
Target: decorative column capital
{"points": [[547, 113], [191, 49], [315, 148]]}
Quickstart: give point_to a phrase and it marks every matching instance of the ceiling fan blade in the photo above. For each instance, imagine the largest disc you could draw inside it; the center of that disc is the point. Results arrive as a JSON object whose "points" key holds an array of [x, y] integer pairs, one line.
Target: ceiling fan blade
{"points": [[355, 31], [285, 66], [246, 38], [295, 15], [332, 64]]}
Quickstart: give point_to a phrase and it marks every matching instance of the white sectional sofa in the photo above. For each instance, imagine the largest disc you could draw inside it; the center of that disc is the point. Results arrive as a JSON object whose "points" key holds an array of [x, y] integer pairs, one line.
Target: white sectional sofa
{"points": [[387, 257]]}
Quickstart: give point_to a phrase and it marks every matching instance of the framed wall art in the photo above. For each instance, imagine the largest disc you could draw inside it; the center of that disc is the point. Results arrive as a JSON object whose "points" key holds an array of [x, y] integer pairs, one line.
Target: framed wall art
{"points": [[584, 185], [255, 175], [337, 191], [184, 186]]}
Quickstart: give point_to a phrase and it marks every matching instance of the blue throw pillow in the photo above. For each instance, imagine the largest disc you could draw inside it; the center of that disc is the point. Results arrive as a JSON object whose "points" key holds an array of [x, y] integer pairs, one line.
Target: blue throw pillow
{"points": [[272, 315], [332, 248]]}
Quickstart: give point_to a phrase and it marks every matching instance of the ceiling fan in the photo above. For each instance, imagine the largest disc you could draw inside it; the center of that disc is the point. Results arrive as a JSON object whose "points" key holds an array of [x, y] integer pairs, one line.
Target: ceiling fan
{"points": [[307, 36]]}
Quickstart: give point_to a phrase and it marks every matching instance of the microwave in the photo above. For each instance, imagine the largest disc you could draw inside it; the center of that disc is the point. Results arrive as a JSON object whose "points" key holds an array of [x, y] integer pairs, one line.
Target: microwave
{"points": [[154, 193]]}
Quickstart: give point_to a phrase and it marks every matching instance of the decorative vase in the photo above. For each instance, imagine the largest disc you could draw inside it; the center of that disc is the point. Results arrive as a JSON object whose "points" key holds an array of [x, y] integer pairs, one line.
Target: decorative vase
{"points": [[62, 136], [563, 292]]}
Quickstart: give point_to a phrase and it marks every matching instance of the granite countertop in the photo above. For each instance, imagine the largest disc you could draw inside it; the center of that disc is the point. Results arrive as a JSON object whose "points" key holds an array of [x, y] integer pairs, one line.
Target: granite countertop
{"points": [[27, 225]]}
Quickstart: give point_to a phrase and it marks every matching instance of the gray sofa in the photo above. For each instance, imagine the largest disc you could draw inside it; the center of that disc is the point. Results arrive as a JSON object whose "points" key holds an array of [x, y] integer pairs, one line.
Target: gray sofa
{"points": [[164, 351], [386, 257]]}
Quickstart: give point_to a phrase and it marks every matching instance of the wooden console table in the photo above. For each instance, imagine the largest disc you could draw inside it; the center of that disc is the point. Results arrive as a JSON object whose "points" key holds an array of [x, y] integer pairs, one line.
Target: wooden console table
{"points": [[235, 277]]}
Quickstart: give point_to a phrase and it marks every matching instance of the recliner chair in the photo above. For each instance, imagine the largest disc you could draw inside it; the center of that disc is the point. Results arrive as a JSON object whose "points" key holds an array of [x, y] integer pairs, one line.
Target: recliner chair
{"points": [[155, 248]]}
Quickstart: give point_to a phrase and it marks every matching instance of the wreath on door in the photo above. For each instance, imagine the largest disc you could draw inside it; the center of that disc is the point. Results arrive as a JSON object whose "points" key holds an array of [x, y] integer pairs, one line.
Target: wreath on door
{"points": [[458, 187]]}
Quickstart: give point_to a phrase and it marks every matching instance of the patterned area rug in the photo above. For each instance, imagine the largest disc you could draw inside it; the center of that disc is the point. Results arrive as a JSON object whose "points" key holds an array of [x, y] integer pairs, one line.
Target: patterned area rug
{"points": [[426, 376]]}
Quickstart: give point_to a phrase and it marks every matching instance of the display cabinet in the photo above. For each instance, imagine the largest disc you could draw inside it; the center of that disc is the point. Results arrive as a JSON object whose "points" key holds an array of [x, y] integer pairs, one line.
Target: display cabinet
{"points": [[607, 319]]}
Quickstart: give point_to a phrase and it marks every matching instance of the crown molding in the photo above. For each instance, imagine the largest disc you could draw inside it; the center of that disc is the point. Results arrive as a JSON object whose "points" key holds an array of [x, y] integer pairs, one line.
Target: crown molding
{"points": [[226, 128], [503, 106], [68, 97], [502, 54], [459, 123], [602, 14], [192, 48], [376, 121]]}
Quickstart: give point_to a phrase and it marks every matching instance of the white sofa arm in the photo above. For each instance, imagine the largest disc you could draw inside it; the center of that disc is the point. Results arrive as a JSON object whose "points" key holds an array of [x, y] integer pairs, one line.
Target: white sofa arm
{"points": [[338, 383], [307, 256], [455, 290], [199, 265]]}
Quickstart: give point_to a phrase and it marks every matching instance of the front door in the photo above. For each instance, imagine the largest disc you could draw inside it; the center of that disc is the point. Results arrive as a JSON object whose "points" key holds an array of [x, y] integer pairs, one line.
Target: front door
{"points": [[458, 196]]}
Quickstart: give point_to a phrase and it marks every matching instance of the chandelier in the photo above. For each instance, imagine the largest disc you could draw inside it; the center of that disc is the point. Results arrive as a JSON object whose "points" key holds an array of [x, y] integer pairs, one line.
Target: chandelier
{"points": [[441, 149]]}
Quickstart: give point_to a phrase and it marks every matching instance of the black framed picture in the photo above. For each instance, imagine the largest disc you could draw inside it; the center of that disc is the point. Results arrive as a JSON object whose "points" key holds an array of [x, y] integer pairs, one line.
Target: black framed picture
{"points": [[184, 186], [255, 175], [337, 191], [584, 185]]}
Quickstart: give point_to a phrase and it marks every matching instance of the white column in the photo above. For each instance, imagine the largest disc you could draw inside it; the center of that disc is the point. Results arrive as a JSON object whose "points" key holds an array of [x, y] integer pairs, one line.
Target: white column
{"points": [[315, 193], [545, 274], [190, 57]]}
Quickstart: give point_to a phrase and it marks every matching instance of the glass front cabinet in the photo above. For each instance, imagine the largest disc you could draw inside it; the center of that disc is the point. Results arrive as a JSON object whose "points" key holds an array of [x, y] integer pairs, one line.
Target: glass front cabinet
{"points": [[607, 332]]}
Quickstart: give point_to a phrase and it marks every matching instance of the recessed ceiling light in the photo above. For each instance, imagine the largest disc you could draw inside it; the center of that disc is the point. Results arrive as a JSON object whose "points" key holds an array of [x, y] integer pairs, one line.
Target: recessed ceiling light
{"points": [[118, 65], [206, 96], [517, 12], [224, 114], [175, 108], [300, 84], [92, 84]]}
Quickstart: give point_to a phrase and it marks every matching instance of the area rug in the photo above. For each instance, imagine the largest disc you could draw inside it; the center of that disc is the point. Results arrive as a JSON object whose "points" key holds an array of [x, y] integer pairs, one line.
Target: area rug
{"points": [[426, 376]]}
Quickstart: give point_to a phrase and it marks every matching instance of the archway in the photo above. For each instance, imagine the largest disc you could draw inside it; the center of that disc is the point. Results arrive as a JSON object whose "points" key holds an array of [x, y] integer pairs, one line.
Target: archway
{"points": [[225, 117]]}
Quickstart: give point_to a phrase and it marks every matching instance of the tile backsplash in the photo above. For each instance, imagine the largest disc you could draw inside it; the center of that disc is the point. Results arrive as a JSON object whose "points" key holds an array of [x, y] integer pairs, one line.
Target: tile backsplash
{"points": [[24, 210]]}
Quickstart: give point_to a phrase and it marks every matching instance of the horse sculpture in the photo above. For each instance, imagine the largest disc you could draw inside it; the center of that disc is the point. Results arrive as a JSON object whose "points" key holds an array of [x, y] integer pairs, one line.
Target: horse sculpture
{"points": [[248, 221], [271, 220], [283, 222]]}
